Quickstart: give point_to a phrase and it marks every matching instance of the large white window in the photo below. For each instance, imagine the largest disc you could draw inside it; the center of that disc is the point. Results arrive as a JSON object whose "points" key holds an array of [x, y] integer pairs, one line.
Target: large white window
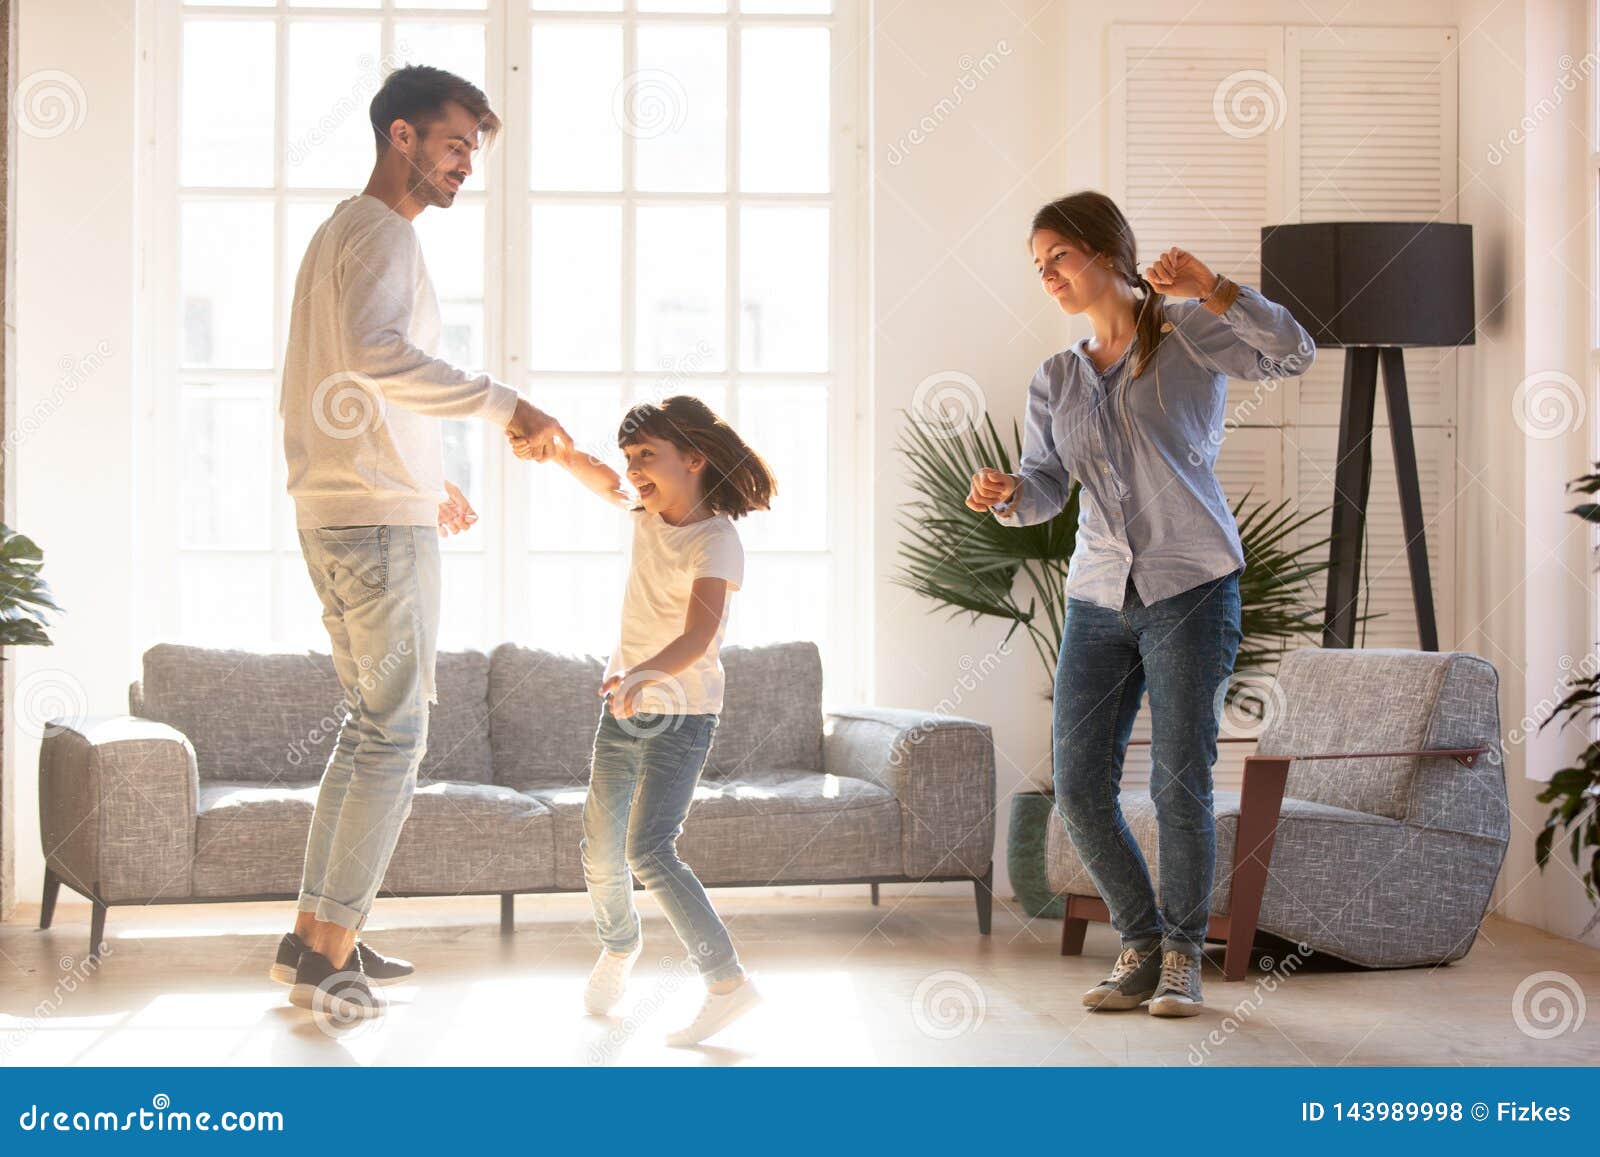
{"points": [[670, 209]]}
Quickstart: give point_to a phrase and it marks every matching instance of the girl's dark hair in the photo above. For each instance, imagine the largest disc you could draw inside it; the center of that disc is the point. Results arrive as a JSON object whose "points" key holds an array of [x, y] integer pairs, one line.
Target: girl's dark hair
{"points": [[418, 93], [737, 480], [1093, 221]]}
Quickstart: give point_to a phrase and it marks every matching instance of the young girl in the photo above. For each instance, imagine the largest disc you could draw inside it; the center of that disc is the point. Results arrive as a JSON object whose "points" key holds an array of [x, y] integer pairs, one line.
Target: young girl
{"points": [[663, 689]]}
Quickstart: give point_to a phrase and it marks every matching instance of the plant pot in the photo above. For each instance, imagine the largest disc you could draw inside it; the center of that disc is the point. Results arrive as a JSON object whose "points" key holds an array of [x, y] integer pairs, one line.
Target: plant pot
{"points": [[1031, 816]]}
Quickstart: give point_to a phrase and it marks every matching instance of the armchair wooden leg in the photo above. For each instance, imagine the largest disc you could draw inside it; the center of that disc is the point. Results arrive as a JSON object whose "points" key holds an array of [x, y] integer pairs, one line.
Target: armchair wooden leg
{"points": [[1073, 926], [47, 904], [97, 930], [508, 914], [983, 889], [874, 895], [1260, 802]]}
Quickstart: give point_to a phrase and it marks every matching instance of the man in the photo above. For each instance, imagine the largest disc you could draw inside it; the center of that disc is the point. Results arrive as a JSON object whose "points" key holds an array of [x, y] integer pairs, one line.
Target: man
{"points": [[362, 401]]}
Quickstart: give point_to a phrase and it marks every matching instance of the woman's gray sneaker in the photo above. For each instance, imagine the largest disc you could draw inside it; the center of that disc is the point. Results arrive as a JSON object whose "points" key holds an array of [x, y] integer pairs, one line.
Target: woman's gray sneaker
{"points": [[1132, 981], [1178, 993]]}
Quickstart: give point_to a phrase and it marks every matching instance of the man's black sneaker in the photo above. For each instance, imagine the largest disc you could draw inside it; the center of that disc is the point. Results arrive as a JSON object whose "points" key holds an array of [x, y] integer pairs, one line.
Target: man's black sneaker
{"points": [[1132, 981], [379, 969], [340, 995]]}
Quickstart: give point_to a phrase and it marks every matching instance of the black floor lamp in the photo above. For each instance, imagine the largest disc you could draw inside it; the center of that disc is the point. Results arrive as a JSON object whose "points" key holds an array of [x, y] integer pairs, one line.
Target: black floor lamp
{"points": [[1373, 288]]}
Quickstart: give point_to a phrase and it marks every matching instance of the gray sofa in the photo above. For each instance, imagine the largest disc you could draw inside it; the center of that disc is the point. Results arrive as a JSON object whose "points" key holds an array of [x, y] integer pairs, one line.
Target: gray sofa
{"points": [[204, 792], [1373, 817]]}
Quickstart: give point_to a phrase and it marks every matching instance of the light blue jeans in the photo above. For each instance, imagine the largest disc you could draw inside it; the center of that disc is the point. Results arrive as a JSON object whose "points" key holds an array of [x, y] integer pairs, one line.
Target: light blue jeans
{"points": [[379, 588], [641, 783], [1182, 649]]}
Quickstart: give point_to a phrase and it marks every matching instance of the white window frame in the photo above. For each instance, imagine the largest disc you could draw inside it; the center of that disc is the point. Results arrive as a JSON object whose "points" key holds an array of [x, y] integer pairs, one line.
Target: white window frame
{"points": [[502, 536]]}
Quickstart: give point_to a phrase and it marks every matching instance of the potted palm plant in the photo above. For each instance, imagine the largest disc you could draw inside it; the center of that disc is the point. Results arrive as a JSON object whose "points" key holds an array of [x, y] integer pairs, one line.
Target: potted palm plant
{"points": [[971, 564], [1574, 792]]}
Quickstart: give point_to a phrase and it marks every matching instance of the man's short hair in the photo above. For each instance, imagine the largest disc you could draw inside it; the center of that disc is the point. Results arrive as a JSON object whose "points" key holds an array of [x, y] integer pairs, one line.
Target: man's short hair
{"points": [[418, 93]]}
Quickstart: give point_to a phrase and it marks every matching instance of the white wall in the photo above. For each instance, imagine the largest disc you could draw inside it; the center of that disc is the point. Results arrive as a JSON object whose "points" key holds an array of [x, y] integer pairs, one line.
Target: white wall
{"points": [[74, 414]]}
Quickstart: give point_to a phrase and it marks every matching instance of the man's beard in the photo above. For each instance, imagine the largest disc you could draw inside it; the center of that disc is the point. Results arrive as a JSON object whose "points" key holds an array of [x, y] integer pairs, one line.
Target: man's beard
{"points": [[429, 193]]}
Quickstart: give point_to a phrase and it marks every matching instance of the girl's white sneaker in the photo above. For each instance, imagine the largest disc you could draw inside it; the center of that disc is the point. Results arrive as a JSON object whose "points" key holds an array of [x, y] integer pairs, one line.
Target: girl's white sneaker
{"points": [[717, 1013], [608, 980]]}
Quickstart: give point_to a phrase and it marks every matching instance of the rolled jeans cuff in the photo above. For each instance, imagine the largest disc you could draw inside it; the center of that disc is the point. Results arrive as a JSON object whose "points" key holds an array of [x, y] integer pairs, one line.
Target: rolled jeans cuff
{"points": [[331, 911]]}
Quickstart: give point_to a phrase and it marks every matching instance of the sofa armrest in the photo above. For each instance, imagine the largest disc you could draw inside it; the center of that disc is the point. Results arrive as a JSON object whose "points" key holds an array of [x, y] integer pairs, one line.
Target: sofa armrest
{"points": [[940, 768], [118, 798]]}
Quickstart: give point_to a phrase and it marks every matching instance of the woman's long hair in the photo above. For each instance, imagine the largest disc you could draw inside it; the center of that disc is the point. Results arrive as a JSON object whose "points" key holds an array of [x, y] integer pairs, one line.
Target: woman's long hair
{"points": [[1093, 221], [736, 481]]}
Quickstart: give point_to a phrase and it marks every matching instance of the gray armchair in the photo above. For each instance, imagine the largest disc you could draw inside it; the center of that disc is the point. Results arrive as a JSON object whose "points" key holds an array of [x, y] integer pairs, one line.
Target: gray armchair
{"points": [[1372, 820]]}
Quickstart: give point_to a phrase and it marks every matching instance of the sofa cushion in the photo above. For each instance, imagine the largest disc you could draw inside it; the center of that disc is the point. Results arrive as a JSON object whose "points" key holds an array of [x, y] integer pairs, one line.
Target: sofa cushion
{"points": [[250, 840], [770, 827], [543, 710], [273, 718], [771, 711]]}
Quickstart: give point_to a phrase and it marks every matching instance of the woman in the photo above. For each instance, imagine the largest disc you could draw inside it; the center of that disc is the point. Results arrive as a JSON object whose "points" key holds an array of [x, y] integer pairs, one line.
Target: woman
{"points": [[1135, 414]]}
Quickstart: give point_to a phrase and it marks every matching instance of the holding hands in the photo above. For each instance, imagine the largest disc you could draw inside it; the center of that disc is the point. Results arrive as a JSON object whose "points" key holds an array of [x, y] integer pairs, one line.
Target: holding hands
{"points": [[990, 487]]}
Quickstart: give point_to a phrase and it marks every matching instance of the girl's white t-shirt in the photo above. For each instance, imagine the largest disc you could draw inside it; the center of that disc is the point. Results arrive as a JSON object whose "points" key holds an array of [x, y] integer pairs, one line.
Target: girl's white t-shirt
{"points": [[664, 562]]}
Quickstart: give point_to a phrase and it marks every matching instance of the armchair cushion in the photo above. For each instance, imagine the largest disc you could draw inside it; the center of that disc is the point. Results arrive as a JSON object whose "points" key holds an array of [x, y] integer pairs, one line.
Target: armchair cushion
{"points": [[1331, 700]]}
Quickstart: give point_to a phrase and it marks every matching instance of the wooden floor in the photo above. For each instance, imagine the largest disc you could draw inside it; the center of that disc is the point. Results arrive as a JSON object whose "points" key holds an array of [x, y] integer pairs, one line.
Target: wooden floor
{"points": [[910, 982]]}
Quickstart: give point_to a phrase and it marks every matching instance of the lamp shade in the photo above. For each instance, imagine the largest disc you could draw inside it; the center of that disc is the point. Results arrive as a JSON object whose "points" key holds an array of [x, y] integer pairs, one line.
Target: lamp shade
{"points": [[1377, 283]]}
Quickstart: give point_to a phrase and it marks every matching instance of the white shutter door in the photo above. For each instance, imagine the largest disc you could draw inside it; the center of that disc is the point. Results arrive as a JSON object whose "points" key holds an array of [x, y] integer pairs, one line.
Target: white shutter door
{"points": [[1371, 136], [1196, 151]]}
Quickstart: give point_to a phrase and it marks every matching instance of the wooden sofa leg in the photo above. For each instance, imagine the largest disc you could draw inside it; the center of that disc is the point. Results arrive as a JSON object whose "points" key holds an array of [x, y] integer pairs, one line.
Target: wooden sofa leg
{"points": [[97, 930], [874, 895], [983, 888], [508, 914], [1072, 932], [47, 904]]}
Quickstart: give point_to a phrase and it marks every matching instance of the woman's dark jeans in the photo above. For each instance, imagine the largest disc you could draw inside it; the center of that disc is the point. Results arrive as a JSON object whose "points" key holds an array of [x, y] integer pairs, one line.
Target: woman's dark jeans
{"points": [[1182, 649]]}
